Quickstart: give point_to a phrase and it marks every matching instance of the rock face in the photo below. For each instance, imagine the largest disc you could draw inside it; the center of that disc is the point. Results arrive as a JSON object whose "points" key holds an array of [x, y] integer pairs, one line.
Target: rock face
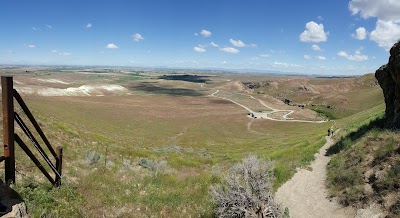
{"points": [[388, 77]]}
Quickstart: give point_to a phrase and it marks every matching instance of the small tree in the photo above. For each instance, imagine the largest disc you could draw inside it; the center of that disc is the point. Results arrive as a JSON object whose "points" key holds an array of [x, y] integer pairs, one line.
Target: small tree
{"points": [[246, 191]]}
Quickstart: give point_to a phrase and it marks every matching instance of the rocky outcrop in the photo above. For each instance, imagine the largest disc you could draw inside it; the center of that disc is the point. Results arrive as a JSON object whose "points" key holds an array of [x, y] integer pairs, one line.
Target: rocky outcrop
{"points": [[388, 77]]}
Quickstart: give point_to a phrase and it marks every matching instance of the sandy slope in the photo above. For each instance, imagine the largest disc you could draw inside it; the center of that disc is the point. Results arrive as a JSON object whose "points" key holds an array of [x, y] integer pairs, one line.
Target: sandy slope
{"points": [[305, 195]]}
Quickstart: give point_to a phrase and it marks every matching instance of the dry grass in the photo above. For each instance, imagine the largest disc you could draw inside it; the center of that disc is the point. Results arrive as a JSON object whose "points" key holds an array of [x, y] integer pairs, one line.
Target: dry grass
{"points": [[190, 134]]}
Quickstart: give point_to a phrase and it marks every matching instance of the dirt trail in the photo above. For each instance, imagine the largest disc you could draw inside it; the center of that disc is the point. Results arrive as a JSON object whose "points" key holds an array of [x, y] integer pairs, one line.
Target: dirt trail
{"points": [[264, 115], [305, 195]]}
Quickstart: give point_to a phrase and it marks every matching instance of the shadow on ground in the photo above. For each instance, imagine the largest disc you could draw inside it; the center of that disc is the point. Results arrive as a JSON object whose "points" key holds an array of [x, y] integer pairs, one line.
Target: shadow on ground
{"points": [[186, 78], [347, 141], [154, 88]]}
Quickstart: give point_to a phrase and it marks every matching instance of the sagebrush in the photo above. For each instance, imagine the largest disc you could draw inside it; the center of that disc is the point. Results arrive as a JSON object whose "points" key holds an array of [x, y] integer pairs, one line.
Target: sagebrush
{"points": [[246, 191]]}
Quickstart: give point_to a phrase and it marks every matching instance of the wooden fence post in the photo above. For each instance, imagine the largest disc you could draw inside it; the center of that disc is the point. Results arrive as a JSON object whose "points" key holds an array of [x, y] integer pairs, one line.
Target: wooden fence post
{"points": [[8, 127], [59, 165]]}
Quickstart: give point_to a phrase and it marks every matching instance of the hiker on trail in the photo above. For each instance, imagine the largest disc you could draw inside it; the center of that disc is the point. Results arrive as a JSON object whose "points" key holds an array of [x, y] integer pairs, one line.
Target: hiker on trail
{"points": [[332, 131], [329, 132]]}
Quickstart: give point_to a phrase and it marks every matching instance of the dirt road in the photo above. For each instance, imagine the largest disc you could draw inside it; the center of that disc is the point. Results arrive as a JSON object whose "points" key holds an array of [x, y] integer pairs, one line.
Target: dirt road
{"points": [[266, 115]]}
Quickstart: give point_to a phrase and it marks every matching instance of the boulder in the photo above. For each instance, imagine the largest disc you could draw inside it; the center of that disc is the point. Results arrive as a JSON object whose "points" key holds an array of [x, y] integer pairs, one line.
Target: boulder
{"points": [[11, 203], [388, 77], [18, 211]]}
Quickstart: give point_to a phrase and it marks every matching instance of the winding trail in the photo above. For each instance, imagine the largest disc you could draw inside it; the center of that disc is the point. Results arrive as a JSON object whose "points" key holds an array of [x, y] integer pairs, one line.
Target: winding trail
{"points": [[264, 115], [305, 195]]}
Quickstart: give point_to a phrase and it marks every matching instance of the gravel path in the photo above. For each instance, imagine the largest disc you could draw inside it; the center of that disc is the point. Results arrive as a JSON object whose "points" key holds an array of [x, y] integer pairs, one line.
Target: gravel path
{"points": [[305, 195]]}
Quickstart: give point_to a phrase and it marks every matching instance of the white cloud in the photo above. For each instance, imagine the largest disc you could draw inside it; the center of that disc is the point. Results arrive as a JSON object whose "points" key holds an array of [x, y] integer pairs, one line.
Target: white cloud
{"points": [[196, 34], [286, 65], [320, 18], [205, 33], [240, 43], [387, 10], [65, 53], [230, 50], [61, 53], [237, 43], [356, 57], [89, 25], [314, 33], [31, 46], [137, 37], [387, 29], [315, 47], [385, 34], [360, 34], [199, 49], [48, 26], [309, 57], [35, 28], [111, 46], [278, 51], [213, 44], [265, 55]]}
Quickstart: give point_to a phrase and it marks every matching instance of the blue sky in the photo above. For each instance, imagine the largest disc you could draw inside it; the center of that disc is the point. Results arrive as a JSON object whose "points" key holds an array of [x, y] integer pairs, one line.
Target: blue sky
{"points": [[310, 36]]}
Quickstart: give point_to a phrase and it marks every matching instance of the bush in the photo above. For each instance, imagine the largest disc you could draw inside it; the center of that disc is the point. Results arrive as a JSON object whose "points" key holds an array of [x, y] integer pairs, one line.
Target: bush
{"points": [[247, 191], [92, 157], [151, 165]]}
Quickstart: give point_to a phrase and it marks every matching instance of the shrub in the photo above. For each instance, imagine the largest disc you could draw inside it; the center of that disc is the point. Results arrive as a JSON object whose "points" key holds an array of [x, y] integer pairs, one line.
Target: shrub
{"points": [[92, 157], [151, 165], [246, 191]]}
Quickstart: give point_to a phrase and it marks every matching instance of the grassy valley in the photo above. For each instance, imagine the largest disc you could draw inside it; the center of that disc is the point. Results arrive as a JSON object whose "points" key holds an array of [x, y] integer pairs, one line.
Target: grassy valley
{"points": [[155, 146]]}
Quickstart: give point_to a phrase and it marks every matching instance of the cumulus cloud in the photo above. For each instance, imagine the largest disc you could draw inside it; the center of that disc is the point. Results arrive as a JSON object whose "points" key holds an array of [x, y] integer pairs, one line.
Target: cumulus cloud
{"points": [[360, 34], [137, 37], [382, 9], [111, 46], [314, 33], [230, 50], [356, 57], [205, 33], [213, 44], [89, 25], [385, 34], [308, 57], [315, 47], [322, 58], [31, 46], [48, 26], [387, 29], [199, 49], [265, 55]]}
